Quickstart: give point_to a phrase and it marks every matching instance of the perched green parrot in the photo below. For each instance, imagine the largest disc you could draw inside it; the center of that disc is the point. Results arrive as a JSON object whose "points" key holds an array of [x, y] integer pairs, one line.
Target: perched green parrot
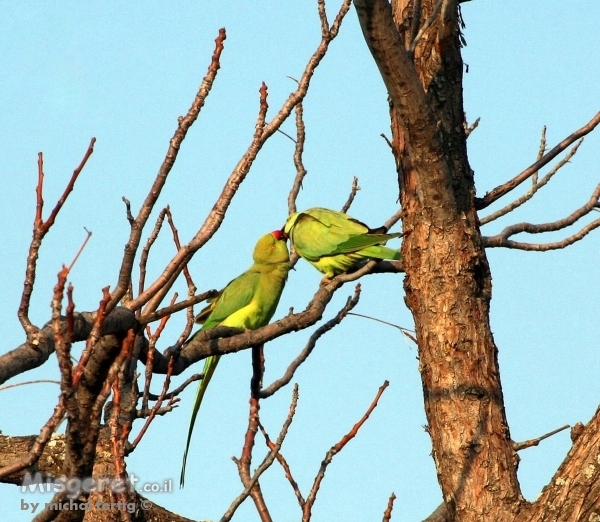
{"points": [[249, 301], [334, 242]]}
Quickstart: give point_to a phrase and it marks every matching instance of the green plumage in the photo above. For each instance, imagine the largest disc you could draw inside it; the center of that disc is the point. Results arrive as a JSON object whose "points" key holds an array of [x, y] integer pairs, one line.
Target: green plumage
{"points": [[334, 242], [249, 302]]}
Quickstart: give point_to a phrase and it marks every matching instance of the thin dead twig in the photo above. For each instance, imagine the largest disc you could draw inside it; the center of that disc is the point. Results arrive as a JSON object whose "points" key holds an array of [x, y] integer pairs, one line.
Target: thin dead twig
{"points": [[535, 186], [393, 220], [310, 500], [243, 464], [93, 337], [298, 162], [501, 239], [470, 128], [163, 410], [518, 446], [153, 339], [267, 461], [353, 191], [62, 345], [505, 188], [24, 383], [184, 124], [40, 229], [128, 213], [387, 514], [146, 252], [190, 283], [312, 341], [283, 462], [171, 309], [179, 389]]}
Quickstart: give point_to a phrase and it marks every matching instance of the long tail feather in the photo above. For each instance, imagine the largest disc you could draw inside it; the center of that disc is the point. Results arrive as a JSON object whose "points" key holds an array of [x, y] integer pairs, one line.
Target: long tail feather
{"points": [[209, 369]]}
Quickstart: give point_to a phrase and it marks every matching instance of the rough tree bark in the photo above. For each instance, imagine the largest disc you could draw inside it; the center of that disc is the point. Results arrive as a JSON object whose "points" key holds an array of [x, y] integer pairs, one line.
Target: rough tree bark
{"points": [[416, 45]]}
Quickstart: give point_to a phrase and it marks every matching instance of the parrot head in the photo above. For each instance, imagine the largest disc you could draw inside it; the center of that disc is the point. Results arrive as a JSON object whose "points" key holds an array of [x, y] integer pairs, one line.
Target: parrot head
{"points": [[271, 248]]}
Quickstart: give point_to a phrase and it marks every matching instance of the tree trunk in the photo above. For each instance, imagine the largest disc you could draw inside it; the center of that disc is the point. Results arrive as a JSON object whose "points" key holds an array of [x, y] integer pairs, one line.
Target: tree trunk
{"points": [[448, 281]]}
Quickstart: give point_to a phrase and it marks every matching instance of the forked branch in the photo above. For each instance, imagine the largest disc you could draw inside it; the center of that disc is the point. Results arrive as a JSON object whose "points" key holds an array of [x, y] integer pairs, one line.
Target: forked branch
{"points": [[502, 239], [267, 461], [40, 229], [505, 188], [534, 187]]}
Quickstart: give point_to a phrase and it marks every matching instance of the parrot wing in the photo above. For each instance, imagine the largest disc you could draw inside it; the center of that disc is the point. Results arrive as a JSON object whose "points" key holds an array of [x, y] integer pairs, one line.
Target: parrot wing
{"points": [[313, 238], [235, 296], [356, 243], [332, 218], [321, 232]]}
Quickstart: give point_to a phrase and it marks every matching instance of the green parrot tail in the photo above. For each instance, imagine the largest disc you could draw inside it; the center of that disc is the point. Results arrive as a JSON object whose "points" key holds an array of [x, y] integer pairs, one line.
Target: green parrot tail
{"points": [[381, 252], [209, 369]]}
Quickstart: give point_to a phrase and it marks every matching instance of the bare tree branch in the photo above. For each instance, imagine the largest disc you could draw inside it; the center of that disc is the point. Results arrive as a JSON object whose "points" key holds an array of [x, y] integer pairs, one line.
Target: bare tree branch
{"points": [[283, 462], [262, 133], [518, 446], [501, 239], [171, 309], [146, 251], [298, 162], [387, 515], [24, 357], [470, 128], [185, 123], [310, 500], [312, 341], [353, 191], [40, 229], [534, 187], [498, 192], [177, 391], [266, 463]]}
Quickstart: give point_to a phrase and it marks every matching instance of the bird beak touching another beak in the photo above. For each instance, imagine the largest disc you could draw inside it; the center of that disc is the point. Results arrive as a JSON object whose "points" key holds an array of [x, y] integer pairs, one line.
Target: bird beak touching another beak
{"points": [[279, 235]]}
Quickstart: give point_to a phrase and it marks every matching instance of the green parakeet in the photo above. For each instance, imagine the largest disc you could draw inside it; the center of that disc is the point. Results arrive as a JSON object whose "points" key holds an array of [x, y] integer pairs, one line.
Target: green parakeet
{"points": [[249, 301], [334, 242]]}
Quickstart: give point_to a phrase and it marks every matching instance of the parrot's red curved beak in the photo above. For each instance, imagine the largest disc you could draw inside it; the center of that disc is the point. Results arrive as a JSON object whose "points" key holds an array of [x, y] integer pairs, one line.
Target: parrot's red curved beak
{"points": [[279, 235]]}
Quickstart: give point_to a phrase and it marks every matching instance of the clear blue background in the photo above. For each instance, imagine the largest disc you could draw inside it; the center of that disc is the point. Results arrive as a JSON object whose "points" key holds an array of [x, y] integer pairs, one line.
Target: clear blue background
{"points": [[124, 73]]}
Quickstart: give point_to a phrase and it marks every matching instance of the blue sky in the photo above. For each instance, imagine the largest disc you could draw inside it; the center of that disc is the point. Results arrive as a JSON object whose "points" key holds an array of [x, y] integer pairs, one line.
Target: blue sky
{"points": [[73, 70]]}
